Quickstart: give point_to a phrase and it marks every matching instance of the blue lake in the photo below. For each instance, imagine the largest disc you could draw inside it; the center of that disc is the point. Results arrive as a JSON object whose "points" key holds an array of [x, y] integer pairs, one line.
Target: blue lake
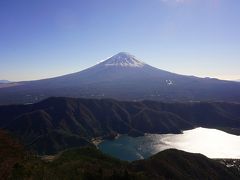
{"points": [[210, 142]]}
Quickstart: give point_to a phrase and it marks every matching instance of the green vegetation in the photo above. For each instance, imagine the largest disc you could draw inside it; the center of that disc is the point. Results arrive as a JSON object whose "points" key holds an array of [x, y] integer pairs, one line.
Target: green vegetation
{"points": [[84, 163], [56, 124], [11, 152], [65, 124], [89, 163]]}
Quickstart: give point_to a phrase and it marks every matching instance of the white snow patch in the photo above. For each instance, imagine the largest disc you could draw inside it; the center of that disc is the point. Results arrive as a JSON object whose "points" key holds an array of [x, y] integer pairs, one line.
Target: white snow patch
{"points": [[169, 82]]}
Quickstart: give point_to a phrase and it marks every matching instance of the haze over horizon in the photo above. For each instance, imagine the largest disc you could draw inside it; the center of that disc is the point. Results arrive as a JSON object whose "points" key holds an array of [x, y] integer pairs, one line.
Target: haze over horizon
{"points": [[43, 39]]}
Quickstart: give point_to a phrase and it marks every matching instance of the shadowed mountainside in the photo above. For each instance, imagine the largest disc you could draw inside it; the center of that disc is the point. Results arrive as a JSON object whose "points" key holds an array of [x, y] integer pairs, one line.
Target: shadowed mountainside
{"points": [[90, 163], [11, 153], [176, 164], [59, 123]]}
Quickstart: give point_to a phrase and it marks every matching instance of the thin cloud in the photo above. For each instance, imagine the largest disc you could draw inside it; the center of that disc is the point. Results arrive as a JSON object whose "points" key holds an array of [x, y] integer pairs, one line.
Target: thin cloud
{"points": [[175, 1], [211, 3]]}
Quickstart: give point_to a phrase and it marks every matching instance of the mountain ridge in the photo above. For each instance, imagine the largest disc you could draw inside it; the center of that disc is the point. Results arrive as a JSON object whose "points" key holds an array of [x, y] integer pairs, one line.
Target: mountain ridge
{"points": [[59, 123], [90, 163]]}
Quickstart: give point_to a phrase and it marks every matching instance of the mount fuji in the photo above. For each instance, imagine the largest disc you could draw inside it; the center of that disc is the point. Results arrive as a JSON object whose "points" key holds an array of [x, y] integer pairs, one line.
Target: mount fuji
{"points": [[123, 77]]}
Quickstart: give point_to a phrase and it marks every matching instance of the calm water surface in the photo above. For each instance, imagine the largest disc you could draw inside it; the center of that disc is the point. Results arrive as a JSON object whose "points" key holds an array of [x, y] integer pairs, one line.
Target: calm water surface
{"points": [[210, 142]]}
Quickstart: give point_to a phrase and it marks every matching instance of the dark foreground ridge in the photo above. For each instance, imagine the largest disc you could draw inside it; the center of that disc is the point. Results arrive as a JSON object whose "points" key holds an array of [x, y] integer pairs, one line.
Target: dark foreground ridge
{"points": [[89, 163], [56, 124]]}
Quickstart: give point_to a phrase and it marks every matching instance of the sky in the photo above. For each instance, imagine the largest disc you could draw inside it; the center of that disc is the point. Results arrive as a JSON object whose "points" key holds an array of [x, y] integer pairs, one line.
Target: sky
{"points": [[47, 38]]}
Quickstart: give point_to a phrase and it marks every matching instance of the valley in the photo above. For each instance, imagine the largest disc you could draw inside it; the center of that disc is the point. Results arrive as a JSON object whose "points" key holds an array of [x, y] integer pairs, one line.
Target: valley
{"points": [[58, 123], [90, 163]]}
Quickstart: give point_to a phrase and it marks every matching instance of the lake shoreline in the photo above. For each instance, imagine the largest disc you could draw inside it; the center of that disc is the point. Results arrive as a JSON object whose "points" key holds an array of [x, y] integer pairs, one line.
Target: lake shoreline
{"points": [[98, 140], [193, 141]]}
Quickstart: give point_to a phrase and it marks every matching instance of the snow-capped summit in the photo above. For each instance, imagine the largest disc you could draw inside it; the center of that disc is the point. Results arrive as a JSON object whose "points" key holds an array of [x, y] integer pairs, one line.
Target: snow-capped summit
{"points": [[123, 59]]}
